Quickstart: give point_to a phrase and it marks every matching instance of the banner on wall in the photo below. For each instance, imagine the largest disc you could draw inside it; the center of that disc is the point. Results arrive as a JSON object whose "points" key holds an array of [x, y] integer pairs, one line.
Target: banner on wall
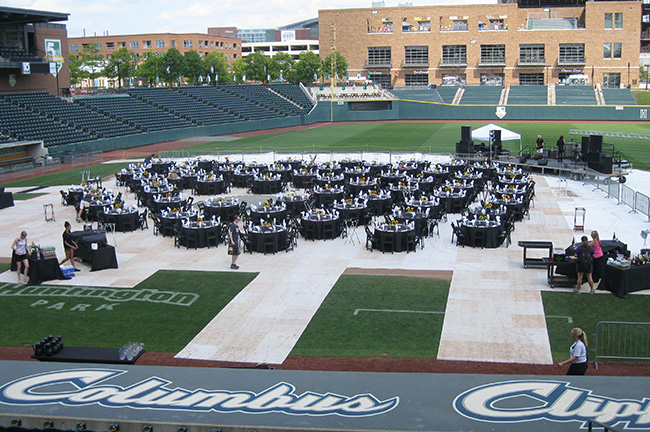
{"points": [[54, 54]]}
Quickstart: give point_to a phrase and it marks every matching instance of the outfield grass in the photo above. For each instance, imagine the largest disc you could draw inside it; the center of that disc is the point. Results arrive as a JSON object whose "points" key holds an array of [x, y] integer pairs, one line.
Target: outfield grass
{"points": [[105, 323], [426, 137], [335, 330], [585, 312], [69, 177]]}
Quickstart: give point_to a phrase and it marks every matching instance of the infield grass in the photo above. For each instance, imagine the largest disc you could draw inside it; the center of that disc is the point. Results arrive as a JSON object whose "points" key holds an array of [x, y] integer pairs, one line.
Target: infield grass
{"points": [[391, 318]]}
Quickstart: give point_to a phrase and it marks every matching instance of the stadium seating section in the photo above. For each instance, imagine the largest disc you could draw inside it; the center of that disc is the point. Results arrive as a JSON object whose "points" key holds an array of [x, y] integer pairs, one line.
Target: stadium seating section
{"points": [[428, 95], [447, 93], [481, 95], [528, 95], [575, 95], [614, 96]]}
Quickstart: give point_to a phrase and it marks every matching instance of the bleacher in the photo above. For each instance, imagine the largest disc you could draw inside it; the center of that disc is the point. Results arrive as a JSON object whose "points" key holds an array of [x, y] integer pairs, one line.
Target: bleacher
{"points": [[421, 94], [618, 96], [528, 95], [71, 114], [182, 105], [264, 97], [481, 95], [24, 125], [18, 55], [575, 95], [295, 94], [238, 106], [447, 93], [135, 113]]}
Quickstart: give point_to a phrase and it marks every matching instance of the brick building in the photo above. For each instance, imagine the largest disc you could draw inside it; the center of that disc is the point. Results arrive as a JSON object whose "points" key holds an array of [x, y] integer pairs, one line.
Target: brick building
{"points": [[141, 44], [497, 44]]}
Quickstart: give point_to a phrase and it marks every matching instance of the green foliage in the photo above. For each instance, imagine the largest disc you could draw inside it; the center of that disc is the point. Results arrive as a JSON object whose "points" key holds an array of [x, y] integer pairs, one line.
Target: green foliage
{"points": [[151, 66], [308, 64], [255, 66], [93, 62], [120, 65], [339, 63], [173, 66], [216, 63], [580, 308], [75, 63], [281, 62], [161, 327], [193, 67], [336, 331]]}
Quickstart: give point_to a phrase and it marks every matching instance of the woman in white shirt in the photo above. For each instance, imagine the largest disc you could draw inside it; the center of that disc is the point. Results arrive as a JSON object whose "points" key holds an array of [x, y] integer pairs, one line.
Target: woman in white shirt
{"points": [[20, 256], [578, 353]]}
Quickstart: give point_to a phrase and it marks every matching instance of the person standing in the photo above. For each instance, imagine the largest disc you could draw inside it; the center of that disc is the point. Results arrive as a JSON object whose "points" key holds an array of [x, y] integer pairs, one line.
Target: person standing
{"points": [[599, 257], [585, 264], [20, 256], [560, 148], [233, 242], [69, 246], [578, 353], [539, 145]]}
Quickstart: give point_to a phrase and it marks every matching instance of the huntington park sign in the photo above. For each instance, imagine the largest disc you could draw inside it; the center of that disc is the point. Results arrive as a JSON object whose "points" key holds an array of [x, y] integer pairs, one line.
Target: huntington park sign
{"points": [[298, 400]]}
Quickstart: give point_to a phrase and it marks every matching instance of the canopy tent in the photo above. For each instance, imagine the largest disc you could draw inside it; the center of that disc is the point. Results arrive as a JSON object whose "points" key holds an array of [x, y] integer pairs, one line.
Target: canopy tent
{"points": [[483, 134]]}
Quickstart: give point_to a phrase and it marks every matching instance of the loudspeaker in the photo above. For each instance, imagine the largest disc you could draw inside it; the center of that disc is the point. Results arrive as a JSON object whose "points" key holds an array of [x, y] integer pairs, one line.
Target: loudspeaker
{"points": [[595, 144], [584, 149], [524, 157], [495, 137], [465, 147], [466, 133], [542, 162], [606, 164], [593, 157], [595, 165]]}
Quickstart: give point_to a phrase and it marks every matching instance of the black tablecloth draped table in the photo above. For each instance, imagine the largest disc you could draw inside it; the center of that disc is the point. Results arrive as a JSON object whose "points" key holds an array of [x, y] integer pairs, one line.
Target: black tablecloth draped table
{"points": [[268, 214], [302, 180], [168, 203], [271, 241], [210, 187], [325, 198], [295, 205], [43, 270], [124, 221], [379, 205], [6, 200], [225, 211], [482, 236], [393, 239], [623, 281], [266, 186], [323, 229], [102, 257], [200, 233]]}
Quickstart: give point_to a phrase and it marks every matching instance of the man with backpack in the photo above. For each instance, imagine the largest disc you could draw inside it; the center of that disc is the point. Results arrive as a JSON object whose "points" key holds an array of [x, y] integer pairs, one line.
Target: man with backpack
{"points": [[585, 264]]}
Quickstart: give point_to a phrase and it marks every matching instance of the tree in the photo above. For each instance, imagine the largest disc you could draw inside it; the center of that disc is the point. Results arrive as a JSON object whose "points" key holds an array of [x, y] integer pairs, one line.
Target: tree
{"points": [[256, 66], [308, 64], [281, 62], [238, 68], [217, 64], [150, 67], [340, 64], [76, 69], [93, 62], [173, 66], [193, 67], [120, 65]]}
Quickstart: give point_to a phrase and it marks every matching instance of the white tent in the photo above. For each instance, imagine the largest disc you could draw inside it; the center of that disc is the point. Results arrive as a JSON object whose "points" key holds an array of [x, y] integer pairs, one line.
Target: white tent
{"points": [[483, 134]]}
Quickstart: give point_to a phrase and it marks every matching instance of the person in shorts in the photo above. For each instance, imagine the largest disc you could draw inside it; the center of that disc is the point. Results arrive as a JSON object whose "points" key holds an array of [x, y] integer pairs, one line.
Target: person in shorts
{"points": [[233, 242]]}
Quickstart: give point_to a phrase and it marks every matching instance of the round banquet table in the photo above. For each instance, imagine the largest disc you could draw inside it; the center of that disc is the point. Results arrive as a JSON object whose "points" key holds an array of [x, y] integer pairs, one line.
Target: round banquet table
{"points": [[418, 218], [277, 212], [337, 180], [189, 180], [391, 178], [379, 204], [224, 209], [452, 202], [266, 186], [124, 219], [300, 179], [399, 192], [296, 204], [268, 239], [439, 176], [210, 187], [355, 187], [172, 220], [481, 233], [320, 227], [198, 230], [241, 178], [164, 202], [392, 238], [95, 208], [353, 211], [325, 197]]}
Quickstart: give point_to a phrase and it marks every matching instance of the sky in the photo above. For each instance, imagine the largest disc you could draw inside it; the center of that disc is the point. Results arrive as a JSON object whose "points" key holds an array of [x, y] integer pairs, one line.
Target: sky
{"points": [[193, 16]]}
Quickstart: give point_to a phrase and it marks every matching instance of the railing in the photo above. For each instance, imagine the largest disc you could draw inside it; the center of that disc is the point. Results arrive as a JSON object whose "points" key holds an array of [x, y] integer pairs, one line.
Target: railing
{"points": [[605, 427], [622, 340], [87, 159], [636, 201], [48, 166]]}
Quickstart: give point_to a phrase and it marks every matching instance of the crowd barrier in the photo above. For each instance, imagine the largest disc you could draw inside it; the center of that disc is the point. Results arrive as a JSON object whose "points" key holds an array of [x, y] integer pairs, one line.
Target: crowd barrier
{"points": [[614, 188], [622, 341]]}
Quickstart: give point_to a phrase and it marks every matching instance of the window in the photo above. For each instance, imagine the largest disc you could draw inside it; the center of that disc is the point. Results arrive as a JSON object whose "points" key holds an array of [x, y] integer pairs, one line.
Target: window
{"points": [[200, 43], [386, 26], [493, 55], [110, 46], [419, 80], [74, 47], [612, 50], [187, 43], [572, 54], [146, 44], [234, 46], [492, 79], [496, 24], [160, 44], [381, 79], [211, 44], [531, 79], [173, 43], [454, 80], [454, 55], [416, 56], [134, 44], [121, 44], [422, 26], [531, 54], [617, 21], [611, 80], [99, 46], [379, 56], [460, 25]]}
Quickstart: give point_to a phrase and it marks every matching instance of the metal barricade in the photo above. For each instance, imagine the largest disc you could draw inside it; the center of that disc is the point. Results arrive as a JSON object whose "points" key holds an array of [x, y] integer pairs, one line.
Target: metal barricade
{"points": [[628, 197], [613, 189], [622, 341], [642, 204]]}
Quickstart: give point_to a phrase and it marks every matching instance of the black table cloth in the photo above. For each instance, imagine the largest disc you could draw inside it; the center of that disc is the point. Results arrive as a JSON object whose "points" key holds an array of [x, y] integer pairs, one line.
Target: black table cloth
{"points": [[277, 213], [267, 239], [6, 200], [482, 236], [393, 238], [301, 180], [226, 210], [325, 228], [266, 186], [296, 204], [325, 197], [124, 221], [198, 232], [168, 203], [42, 270], [379, 204], [101, 258], [172, 220], [351, 211], [623, 281]]}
